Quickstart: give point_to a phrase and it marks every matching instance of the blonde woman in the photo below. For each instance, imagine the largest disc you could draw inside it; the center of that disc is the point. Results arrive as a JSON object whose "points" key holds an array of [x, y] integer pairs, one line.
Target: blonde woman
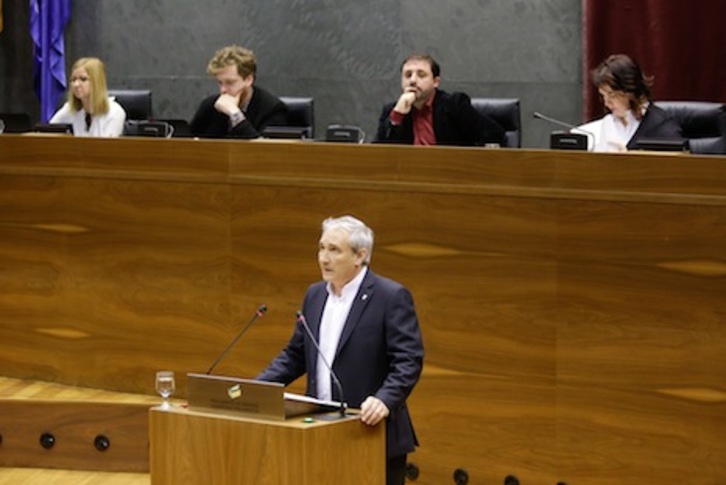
{"points": [[89, 109]]}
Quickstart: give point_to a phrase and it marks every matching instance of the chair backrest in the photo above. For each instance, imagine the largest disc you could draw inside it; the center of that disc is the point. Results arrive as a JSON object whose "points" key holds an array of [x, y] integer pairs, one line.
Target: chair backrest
{"points": [[16, 122], [300, 113], [136, 102], [504, 111], [702, 123]]}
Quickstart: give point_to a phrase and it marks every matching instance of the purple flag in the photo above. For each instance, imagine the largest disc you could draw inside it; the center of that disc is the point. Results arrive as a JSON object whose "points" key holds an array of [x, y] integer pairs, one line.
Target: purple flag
{"points": [[48, 19]]}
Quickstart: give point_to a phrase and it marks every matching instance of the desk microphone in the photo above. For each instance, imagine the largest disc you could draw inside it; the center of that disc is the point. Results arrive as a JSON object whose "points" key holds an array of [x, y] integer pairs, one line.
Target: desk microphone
{"points": [[567, 141], [260, 311], [303, 321]]}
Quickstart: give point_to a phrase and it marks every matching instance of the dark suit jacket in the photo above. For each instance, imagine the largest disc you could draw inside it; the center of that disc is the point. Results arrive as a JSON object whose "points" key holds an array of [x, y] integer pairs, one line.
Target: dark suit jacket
{"points": [[655, 124], [380, 353], [264, 109], [456, 122]]}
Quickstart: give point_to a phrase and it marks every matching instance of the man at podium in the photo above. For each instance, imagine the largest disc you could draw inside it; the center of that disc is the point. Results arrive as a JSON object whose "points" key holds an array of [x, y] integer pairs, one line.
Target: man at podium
{"points": [[369, 350]]}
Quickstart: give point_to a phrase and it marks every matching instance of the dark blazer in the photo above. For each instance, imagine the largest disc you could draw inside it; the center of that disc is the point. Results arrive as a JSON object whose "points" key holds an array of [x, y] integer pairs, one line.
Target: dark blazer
{"points": [[655, 124], [264, 109], [380, 353], [456, 122]]}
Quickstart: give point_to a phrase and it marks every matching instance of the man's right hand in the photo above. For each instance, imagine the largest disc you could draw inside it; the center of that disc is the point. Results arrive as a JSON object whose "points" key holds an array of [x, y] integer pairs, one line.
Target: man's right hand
{"points": [[405, 102], [227, 104]]}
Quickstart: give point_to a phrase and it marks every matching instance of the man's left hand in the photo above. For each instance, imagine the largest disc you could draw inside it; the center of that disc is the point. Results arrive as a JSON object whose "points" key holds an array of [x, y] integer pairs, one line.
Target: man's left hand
{"points": [[373, 411]]}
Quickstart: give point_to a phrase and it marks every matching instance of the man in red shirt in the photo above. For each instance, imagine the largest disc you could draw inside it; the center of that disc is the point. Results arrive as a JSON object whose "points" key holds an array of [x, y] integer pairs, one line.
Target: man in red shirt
{"points": [[426, 115]]}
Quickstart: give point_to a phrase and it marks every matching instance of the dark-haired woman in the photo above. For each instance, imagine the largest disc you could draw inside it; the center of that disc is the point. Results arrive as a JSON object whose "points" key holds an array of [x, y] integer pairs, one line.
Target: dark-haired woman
{"points": [[625, 91]]}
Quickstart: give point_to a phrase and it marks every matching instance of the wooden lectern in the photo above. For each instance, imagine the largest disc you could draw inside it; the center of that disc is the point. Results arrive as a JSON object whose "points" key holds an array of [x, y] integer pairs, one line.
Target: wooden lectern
{"points": [[205, 447]]}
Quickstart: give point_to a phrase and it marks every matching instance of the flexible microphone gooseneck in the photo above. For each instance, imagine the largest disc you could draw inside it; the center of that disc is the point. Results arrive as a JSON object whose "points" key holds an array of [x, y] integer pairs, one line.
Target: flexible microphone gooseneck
{"points": [[554, 121], [260, 311], [304, 323]]}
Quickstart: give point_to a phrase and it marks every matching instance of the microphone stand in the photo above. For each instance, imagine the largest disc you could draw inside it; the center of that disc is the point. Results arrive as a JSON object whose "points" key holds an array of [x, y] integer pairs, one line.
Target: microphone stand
{"points": [[260, 311], [343, 405]]}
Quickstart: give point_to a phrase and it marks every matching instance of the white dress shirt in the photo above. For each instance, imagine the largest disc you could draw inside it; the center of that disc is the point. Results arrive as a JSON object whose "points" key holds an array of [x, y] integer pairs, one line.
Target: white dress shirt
{"points": [[332, 322], [609, 134], [106, 125]]}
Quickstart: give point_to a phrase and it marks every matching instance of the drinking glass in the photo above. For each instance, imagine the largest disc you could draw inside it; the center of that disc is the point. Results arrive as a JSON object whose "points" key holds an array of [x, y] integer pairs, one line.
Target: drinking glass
{"points": [[165, 386]]}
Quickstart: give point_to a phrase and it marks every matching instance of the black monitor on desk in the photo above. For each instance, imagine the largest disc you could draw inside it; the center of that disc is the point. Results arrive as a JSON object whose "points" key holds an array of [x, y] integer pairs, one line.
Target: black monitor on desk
{"points": [[58, 128], [662, 144], [285, 132]]}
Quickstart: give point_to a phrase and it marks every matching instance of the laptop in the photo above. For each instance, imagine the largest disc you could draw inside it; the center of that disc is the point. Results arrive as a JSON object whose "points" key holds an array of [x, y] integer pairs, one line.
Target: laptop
{"points": [[251, 398], [247, 397]]}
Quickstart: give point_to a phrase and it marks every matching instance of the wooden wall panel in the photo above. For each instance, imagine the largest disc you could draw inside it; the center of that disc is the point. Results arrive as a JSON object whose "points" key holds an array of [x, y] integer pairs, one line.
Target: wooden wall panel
{"points": [[112, 252], [571, 303], [640, 325]]}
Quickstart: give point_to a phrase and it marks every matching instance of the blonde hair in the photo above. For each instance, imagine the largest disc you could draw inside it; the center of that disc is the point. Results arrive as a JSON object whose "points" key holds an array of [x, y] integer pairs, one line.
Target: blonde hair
{"points": [[99, 92], [233, 55]]}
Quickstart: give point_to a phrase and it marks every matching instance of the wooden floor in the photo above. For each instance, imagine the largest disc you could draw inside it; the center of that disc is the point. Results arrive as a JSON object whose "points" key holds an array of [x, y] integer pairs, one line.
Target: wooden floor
{"points": [[43, 476], [19, 389]]}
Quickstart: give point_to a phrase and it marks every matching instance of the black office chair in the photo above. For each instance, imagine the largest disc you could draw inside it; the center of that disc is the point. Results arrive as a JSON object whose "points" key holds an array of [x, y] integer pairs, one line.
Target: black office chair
{"points": [[504, 111], [16, 122], [300, 113], [136, 102], [702, 123]]}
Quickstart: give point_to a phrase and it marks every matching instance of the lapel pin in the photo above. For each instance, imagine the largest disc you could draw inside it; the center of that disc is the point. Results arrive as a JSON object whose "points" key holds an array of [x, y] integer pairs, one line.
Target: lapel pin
{"points": [[364, 297]]}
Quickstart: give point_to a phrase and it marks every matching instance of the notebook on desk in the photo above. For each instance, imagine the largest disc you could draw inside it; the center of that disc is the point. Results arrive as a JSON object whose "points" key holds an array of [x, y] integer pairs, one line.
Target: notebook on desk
{"points": [[251, 398]]}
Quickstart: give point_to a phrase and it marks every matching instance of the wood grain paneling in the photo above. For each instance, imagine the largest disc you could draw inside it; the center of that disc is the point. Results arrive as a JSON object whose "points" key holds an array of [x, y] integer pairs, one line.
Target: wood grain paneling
{"points": [[40, 397], [571, 303], [45, 476], [75, 427], [198, 448]]}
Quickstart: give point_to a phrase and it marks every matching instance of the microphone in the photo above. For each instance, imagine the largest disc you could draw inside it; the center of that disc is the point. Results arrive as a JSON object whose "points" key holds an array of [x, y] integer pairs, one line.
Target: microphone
{"points": [[567, 141], [260, 311], [540, 116], [303, 321]]}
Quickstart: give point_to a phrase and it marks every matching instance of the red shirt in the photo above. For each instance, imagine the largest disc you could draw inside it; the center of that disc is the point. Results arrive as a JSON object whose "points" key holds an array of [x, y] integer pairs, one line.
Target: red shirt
{"points": [[423, 123]]}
